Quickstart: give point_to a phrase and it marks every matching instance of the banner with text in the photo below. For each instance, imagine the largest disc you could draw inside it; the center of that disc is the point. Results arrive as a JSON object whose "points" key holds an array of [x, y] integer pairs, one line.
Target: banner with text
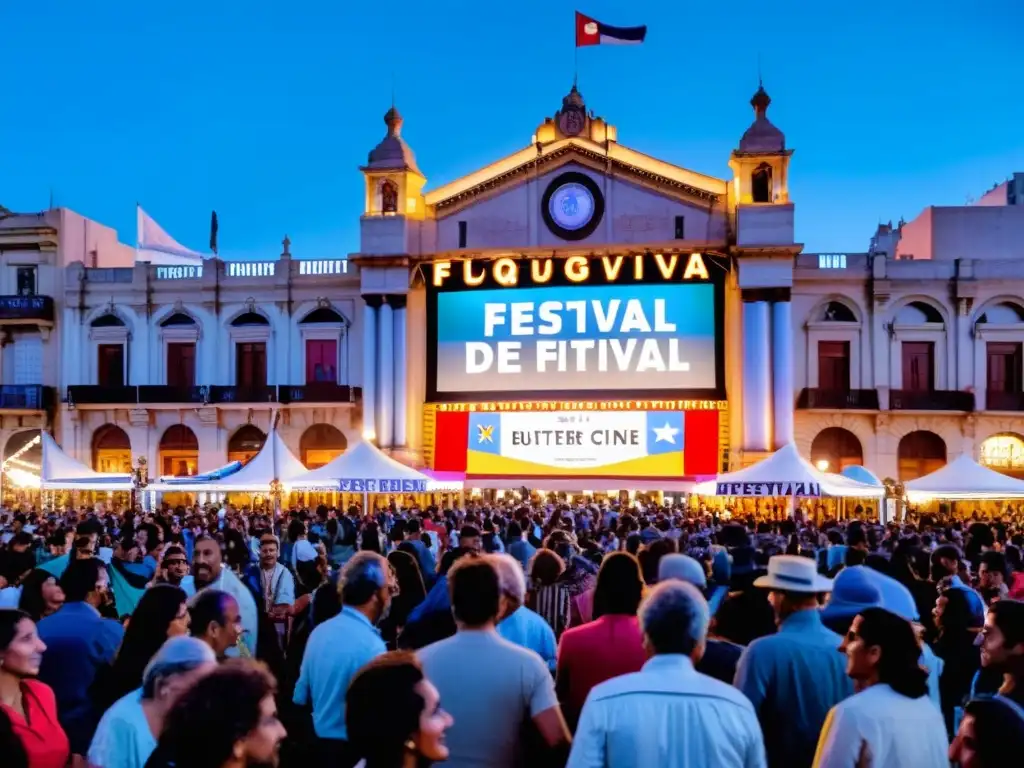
{"points": [[577, 338], [630, 444]]}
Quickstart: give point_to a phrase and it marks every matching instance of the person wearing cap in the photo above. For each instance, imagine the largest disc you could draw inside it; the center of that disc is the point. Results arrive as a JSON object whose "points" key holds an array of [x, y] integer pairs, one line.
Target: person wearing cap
{"points": [[897, 598], [794, 677], [128, 732]]}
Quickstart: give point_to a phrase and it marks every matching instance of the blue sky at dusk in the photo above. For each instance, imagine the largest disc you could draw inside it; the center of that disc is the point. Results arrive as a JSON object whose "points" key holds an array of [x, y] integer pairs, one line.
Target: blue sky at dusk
{"points": [[264, 110]]}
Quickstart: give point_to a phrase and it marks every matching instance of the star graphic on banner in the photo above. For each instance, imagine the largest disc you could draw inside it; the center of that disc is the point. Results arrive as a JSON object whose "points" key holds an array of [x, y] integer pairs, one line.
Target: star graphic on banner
{"points": [[666, 434]]}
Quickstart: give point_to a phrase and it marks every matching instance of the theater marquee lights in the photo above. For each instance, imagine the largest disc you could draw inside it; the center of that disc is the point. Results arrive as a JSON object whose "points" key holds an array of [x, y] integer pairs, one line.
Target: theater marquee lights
{"points": [[510, 273]]}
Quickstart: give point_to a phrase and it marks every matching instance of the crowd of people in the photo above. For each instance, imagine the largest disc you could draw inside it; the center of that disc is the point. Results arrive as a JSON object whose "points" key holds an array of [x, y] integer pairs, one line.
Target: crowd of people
{"points": [[584, 635]]}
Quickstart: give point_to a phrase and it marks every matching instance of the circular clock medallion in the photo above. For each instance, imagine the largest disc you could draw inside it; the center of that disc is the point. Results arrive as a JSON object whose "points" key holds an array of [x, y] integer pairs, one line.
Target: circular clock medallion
{"points": [[572, 206]]}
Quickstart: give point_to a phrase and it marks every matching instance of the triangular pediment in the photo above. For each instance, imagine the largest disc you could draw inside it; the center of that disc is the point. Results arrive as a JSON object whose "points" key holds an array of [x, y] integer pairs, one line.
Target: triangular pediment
{"points": [[627, 164]]}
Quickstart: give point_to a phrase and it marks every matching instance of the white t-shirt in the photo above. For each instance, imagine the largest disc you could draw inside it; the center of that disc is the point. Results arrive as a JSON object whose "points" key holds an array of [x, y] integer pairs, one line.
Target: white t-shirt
{"points": [[123, 738]]}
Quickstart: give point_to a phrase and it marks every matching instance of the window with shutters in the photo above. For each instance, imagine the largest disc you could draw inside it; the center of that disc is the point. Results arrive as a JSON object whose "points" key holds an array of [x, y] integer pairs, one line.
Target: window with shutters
{"points": [[321, 361], [181, 364], [110, 367], [918, 366], [251, 364], [834, 366]]}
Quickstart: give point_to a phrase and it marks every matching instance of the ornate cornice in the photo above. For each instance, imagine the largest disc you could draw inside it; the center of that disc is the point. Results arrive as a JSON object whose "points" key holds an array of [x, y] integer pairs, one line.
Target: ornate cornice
{"points": [[575, 150]]}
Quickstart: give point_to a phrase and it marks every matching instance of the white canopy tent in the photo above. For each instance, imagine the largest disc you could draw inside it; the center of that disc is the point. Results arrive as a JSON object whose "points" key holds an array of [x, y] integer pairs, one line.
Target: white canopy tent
{"points": [[273, 462], [786, 473], [964, 478], [364, 469], [61, 472]]}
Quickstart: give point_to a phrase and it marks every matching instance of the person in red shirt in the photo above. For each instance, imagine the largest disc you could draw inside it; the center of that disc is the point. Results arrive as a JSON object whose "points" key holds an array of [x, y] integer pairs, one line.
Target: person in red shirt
{"points": [[30, 735], [610, 645]]}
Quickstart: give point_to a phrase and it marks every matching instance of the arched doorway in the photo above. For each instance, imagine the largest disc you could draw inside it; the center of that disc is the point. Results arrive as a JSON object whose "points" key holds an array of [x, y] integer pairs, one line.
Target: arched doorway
{"points": [[245, 443], [1004, 453], [835, 449], [179, 451], [321, 444], [111, 450], [920, 453]]}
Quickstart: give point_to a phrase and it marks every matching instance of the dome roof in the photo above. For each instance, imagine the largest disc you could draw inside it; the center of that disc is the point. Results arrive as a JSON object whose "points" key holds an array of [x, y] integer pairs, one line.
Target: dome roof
{"points": [[392, 153], [762, 136]]}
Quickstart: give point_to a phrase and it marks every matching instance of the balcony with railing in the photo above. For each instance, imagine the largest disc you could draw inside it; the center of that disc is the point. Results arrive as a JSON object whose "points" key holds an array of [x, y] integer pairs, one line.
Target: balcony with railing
{"points": [[319, 392], [27, 397], [934, 400], [836, 399], [1004, 401], [26, 310], [163, 394]]}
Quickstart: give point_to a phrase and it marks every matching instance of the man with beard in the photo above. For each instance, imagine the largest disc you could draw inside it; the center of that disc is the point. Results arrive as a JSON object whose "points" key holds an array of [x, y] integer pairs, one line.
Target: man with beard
{"points": [[208, 571], [174, 567], [339, 648], [79, 642]]}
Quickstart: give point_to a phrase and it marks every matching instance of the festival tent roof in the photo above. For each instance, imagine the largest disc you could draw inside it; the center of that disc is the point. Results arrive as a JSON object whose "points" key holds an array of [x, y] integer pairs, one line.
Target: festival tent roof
{"points": [[861, 475], [786, 473], [274, 461], [364, 469], [61, 472], [964, 478]]}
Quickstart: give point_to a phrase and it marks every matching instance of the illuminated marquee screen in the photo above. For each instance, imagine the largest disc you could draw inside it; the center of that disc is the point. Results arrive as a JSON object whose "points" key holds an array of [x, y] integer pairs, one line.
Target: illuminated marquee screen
{"points": [[633, 325]]}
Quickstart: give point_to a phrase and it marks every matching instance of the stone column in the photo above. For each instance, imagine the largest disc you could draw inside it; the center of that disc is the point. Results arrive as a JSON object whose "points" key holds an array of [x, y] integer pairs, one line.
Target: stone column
{"points": [[386, 371], [398, 302], [757, 374], [782, 370], [370, 309]]}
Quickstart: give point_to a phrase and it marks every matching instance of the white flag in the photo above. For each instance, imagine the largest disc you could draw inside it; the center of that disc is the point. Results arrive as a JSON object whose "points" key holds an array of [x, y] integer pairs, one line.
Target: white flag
{"points": [[155, 246]]}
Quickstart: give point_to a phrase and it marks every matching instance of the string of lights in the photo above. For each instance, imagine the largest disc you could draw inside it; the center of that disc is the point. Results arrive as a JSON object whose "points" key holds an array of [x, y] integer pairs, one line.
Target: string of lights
{"points": [[22, 451]]}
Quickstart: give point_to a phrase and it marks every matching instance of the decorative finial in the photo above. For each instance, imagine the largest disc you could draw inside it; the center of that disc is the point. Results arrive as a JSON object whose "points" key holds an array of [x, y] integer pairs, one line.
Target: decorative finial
{"points": [[760, 101], [393, 120], [287, 244]]}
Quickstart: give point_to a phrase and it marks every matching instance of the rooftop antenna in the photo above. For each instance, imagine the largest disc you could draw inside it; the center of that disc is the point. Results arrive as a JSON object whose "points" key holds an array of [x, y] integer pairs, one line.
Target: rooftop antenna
{"points": [[760, 82]]}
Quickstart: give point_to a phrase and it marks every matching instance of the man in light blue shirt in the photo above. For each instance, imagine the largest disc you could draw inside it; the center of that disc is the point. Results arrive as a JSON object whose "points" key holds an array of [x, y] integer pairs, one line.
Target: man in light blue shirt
{"points": [[208, 572], [668, 714], [794, 677], [127, 733], [518, 623], [339, 648]]}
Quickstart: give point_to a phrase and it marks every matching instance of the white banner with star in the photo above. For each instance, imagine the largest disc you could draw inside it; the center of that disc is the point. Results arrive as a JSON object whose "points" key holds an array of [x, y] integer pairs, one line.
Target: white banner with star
{"points": [[576, 444]]}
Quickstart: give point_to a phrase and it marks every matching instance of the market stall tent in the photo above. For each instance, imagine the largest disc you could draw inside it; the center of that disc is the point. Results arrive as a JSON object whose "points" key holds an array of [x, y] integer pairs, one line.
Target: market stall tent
{"points": [[364, 469], [964, 478], [61, 472], [273, 462], [786, 473]]}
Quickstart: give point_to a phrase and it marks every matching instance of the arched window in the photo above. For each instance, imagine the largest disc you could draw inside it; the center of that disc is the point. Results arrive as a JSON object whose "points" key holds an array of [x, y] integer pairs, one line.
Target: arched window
{"points": [[388, 197], [321, 444], [179, 452], [1004, 453], [249, 318], [761, 184], [27, 440], [111, 450], [920, 453], [835, 449], [837, 312], [245, 443], [322, 315], [918, 313], [177, 318], [107, 320]]}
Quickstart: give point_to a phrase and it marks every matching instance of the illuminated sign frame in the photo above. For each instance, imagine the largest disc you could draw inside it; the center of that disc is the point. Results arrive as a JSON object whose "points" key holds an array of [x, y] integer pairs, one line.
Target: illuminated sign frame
{"points": [[618, 269]]}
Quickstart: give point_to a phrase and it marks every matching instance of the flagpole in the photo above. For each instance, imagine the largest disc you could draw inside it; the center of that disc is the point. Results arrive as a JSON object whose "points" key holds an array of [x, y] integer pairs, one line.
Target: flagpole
{"points": [[575, 53]]}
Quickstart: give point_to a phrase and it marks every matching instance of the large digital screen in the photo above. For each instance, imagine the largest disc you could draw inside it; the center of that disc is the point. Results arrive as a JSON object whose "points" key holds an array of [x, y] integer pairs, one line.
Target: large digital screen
{"points": [[573, 339]]}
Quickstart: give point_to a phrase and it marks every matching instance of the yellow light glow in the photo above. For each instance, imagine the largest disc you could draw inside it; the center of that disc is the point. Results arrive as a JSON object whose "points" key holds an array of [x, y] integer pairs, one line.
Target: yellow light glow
{"points": [[369, 435], [822, 465], [21, 478]]}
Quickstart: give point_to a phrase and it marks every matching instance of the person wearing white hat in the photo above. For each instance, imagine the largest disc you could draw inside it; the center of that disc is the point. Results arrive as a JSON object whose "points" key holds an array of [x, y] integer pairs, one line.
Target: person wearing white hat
{"points": [[793, 678]]}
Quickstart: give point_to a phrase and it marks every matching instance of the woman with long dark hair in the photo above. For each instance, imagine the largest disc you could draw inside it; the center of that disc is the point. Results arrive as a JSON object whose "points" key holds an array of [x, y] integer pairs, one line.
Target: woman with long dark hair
{"points": [[611, 644], [411, 592], [41, 595], [958, 621], [30, 734], [394, 716], [162, 613], [890, 719]]}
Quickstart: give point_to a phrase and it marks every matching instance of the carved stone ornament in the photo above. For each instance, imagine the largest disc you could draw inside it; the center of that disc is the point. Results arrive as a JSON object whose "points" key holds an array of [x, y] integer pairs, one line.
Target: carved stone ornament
{"points": [[138, 417], [970, 426], [882, 421], [323, 303], [250, 304], [179, 306]]}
